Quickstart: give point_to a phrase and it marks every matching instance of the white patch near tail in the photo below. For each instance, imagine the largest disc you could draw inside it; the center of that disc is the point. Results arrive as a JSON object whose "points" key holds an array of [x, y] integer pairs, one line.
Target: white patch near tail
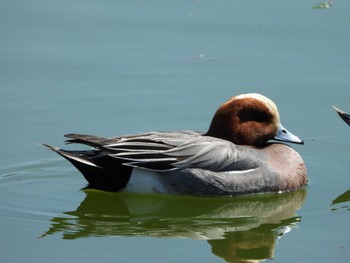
{"points": [[146, 182]]}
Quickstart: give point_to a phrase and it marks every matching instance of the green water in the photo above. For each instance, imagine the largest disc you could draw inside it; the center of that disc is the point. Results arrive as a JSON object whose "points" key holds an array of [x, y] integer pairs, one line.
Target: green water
{"points": [[117, 67]]}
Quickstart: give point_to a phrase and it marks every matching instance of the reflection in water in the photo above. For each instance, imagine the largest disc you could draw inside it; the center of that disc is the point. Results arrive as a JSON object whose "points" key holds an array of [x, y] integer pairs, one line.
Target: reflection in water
{"points": [[237, 228], [343, 198]]}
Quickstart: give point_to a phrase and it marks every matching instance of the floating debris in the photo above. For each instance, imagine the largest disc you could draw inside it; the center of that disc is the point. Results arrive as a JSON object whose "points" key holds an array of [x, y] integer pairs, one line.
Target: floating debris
{"points": [[324, 5], [200, 58]]}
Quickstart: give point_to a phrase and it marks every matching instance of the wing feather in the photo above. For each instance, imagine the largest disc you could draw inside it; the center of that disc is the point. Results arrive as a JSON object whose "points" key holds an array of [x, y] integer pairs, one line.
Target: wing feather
{"points": [[165, 151]]}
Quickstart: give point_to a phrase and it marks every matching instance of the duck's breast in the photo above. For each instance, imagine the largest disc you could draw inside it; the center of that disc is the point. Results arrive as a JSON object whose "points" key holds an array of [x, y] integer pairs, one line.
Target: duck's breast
{"points": [[287, 164]]}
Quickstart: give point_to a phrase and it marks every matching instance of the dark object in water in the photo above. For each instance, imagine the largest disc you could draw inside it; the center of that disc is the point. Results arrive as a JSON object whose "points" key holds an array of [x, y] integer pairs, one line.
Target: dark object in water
{"points": [[343, 115]]}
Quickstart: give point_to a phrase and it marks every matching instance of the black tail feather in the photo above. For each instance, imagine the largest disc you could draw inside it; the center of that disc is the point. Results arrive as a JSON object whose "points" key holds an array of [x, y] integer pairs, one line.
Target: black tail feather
{"points": [[104, 172], [343, 115]]}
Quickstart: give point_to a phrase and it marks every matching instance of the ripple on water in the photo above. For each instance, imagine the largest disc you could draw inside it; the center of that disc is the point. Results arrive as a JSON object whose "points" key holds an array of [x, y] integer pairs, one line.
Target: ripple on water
{"points": [[34, 192]]}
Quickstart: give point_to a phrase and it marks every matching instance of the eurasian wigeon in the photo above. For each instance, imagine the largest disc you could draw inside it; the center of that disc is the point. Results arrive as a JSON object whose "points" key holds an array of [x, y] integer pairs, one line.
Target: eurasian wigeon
{"points": [[233, 157]]}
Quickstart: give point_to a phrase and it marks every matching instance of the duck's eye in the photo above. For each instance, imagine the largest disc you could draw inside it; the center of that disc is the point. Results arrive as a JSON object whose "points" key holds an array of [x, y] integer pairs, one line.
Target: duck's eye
{"points": [[254, 115]]}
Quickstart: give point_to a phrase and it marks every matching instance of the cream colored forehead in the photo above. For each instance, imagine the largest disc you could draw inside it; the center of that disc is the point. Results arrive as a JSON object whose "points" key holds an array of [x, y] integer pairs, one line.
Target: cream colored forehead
{"points": [[269, 103]]}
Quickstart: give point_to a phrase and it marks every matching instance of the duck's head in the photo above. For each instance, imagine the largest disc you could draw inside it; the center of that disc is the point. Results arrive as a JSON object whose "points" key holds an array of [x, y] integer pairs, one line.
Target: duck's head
{"points": [[249, 119]]}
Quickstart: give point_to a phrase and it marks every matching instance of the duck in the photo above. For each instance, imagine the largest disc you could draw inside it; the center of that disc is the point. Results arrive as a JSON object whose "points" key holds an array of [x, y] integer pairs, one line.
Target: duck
{"points": [[343, 115], [245, 151]]}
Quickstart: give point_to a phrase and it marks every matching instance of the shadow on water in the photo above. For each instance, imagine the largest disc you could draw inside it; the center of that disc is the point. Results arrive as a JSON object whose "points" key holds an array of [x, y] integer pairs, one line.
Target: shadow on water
{"points": [[238, 228]]}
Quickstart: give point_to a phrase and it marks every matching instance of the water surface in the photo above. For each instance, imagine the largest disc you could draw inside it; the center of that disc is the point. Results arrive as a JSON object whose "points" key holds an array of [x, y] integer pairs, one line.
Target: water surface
{"points": [[116, 67]]}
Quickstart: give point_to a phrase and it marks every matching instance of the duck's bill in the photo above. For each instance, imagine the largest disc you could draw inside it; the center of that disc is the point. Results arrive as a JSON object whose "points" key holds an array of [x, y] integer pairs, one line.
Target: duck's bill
{"points": [[285, 136]]}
